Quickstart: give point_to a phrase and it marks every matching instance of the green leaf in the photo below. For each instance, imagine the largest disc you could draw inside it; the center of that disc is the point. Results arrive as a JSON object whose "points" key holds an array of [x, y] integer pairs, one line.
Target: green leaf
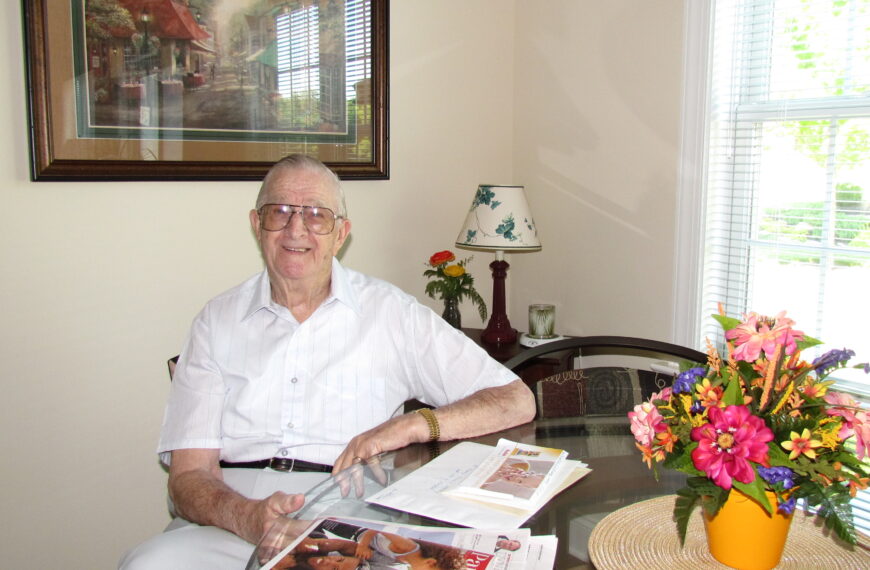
{"points": [[687, 500], [733, 395], [683, 461], [712, 495], [727, 323], [756, 491], [807, 342]]}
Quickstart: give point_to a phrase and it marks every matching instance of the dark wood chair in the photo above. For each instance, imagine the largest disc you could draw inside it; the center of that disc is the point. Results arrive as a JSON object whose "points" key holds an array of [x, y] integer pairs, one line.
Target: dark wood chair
{"points": [[171, 364], [611, 376]]}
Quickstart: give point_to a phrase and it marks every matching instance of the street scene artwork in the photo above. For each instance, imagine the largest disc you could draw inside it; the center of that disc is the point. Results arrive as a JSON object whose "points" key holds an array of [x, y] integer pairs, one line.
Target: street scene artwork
{"points": [[225, 70]]}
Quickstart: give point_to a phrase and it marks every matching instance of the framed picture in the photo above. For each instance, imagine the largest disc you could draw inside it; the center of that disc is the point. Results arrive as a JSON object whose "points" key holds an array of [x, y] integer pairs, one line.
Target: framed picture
{"points": [[205, 89]]}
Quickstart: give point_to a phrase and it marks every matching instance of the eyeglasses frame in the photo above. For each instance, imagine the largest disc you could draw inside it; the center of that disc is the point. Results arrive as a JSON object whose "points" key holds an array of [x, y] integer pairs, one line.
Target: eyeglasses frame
{"points": [[297, 209]]}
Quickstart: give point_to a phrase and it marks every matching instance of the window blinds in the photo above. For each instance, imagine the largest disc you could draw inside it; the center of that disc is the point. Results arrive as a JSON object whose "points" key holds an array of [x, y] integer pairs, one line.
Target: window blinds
{"points": [[787, 214]]}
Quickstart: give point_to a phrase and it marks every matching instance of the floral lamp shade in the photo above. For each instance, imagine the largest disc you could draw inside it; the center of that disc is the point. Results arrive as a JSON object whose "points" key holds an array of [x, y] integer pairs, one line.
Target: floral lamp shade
{"points": [[499, 220]]}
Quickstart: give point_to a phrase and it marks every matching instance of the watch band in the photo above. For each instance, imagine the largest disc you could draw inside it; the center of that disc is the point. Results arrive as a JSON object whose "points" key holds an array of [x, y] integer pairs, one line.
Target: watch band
{"points": [[432, 422]]}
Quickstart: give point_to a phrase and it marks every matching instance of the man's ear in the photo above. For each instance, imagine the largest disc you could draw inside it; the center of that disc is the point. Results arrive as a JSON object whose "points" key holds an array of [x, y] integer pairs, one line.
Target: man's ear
{"points": [[255, 221], [343, 228]]}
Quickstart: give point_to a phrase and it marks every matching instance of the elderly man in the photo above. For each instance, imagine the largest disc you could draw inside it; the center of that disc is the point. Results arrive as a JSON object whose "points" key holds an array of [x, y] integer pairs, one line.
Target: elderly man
{"points": [[305, 367]]}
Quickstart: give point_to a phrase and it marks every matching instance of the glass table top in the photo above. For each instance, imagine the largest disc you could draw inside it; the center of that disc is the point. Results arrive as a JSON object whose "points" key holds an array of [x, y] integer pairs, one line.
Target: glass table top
{"points": [[618, 478]]}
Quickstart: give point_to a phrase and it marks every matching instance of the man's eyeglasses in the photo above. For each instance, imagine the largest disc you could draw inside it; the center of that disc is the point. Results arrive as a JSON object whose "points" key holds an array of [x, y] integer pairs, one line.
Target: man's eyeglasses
{"points": [[316, 219]]}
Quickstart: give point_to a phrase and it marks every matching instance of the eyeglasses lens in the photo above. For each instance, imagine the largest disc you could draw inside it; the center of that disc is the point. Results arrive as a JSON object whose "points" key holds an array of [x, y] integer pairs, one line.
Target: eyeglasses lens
{"points": [[317, 220]]}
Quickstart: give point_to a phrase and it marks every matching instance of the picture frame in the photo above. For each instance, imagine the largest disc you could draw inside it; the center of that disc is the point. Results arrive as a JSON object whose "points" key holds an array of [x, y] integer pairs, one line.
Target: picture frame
{"points": [[203, 89]]}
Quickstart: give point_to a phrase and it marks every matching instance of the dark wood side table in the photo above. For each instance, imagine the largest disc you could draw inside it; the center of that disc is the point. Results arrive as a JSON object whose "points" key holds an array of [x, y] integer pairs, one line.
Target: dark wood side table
{"points": [[531, 371]]}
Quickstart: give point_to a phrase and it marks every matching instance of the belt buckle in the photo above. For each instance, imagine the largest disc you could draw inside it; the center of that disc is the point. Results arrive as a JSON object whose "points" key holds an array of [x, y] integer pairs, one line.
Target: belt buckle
{"points": [[282, 464]]}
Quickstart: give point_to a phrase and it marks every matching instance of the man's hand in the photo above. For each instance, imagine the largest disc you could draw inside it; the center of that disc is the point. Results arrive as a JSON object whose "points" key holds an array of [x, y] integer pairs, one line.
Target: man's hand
{"points": [[486, 411], [395, 433], [265, 512], [200, 495]]}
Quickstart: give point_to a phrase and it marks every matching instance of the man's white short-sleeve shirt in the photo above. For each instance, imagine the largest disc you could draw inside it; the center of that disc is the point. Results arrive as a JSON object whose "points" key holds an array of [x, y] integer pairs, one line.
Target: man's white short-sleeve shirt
{"points": [[255, 383]]}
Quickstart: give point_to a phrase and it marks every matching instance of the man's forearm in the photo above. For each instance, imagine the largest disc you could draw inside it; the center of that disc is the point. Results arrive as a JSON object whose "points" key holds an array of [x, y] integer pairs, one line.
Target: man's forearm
{"points": [[486, 411], [202, 498]]}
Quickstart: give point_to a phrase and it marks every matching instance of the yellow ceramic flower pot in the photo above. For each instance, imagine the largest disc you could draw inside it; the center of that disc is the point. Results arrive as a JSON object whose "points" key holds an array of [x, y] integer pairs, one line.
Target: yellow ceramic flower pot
{"points": [[743, 535]]}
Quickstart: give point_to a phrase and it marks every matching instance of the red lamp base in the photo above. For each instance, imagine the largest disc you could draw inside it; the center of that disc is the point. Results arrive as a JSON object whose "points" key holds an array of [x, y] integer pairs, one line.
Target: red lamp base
{"points": [[498, 330], [500, 333]]}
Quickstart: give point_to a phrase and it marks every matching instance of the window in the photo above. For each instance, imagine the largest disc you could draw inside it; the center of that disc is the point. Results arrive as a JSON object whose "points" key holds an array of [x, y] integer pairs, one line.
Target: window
{"points": [[787, 220]]}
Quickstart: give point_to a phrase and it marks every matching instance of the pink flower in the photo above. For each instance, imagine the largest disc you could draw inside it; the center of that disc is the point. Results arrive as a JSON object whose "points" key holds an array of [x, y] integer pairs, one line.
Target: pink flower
{"points": [[727, 444], [784, 334], [855, 420], [646, 421], [665, 395], [748, 337], [757, 334]]}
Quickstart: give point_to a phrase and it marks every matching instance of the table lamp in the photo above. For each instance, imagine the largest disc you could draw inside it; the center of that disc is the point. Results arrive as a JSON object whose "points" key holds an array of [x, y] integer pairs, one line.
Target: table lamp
{"points": [[499, 220]]}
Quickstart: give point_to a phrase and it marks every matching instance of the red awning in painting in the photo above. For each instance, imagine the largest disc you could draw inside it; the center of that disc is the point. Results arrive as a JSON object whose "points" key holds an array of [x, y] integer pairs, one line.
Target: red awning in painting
{"points": [[170, 19]]}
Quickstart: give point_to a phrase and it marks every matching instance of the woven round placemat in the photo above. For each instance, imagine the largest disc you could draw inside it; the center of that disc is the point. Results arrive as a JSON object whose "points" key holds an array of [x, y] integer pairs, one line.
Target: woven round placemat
{"points": [[644, 535]]}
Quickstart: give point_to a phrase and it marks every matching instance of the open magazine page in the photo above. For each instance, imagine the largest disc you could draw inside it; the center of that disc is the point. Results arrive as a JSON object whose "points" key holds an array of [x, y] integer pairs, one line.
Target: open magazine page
{"points": [[514, 474], [338, 542]]}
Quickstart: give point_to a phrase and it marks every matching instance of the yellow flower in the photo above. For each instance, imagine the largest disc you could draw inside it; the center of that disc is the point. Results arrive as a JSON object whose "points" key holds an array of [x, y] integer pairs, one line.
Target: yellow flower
{"points": [[830, 437], [801, 444], [455, 270]]}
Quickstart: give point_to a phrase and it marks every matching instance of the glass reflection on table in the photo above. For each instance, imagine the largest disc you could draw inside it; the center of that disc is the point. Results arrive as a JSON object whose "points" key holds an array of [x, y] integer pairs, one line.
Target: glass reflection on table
{"points": [[605, 443]]}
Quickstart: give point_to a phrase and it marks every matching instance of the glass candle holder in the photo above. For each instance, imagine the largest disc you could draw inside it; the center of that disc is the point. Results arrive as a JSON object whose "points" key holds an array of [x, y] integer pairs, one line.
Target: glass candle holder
{"points": [[542, 321]]}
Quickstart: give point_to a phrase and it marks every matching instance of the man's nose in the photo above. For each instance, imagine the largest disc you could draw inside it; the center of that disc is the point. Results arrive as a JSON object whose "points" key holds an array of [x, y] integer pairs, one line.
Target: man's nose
{"points": [[295, 225]]}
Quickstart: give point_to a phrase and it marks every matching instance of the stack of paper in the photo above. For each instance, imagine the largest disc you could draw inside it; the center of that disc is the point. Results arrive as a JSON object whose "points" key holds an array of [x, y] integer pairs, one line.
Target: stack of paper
{"points": [[484, 487]]}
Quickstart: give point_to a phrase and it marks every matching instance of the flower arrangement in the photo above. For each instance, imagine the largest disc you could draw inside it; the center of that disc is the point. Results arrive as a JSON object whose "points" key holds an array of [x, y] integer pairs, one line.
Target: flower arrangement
{"points": [[762, 420], [451, 281]]}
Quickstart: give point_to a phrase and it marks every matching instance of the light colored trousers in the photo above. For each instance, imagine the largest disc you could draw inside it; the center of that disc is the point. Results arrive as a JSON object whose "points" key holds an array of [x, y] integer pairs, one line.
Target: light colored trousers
{"points": [[187, 546]]}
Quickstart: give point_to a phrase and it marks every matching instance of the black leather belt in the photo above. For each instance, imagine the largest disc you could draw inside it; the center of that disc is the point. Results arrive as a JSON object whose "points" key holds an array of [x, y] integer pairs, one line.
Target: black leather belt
{"points": [[280, 464]]}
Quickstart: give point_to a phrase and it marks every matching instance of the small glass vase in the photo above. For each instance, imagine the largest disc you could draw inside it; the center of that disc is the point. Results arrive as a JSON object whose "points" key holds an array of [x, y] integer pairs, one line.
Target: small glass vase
{"points": [[744, 535], [451, 313]]}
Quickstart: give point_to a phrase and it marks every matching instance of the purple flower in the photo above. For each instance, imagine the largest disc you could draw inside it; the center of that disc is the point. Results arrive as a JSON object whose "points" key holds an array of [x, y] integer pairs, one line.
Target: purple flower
{"points": [[775, 475], [787, 507], [697, 408], [686, 380], [831, 359]]}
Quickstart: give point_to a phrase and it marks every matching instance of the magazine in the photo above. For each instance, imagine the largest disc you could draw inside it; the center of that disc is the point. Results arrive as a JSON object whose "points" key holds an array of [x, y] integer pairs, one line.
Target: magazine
{"points": [[377, 545], [514, 474]]}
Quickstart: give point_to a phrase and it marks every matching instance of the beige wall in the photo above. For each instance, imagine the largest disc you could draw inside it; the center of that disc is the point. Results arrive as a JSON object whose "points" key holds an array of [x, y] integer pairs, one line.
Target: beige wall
{"points": [[579, 100]]}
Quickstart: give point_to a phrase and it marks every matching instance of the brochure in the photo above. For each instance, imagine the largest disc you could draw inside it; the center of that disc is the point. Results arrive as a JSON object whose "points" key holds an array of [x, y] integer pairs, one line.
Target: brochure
{"points": [[362, 543], [423, 491], [514, 474]]}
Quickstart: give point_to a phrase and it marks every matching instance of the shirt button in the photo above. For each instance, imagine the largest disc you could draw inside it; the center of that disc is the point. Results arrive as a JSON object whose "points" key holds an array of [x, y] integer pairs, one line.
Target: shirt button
{"points": [[283, 453], [290, 425], [294, 380]]}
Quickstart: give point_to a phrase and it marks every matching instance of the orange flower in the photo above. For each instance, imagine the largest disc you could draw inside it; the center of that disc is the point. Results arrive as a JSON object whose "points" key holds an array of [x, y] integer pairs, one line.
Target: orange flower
{"points": [[666, 440], [441, 257], [710, 396], [801, 444]]}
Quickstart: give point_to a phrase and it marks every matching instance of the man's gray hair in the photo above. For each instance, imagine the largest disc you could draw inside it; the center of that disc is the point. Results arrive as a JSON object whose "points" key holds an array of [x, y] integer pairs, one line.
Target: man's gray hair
{"points": [[311, 164]]}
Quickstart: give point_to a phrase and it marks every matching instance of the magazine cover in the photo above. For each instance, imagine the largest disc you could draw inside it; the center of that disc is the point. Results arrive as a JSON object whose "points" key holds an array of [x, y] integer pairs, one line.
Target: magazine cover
{"points": [[348, 543], [515, 473]]}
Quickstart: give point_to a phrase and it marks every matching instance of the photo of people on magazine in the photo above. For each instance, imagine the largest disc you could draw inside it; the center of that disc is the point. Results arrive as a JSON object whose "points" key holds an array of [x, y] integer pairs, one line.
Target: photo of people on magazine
{"points": [[339, 545], [518, 476]]}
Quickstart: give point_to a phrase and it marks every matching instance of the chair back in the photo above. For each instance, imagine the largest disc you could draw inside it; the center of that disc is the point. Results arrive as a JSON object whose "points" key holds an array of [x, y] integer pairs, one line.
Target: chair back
{"points": [[611, 375], [171, 363]]}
